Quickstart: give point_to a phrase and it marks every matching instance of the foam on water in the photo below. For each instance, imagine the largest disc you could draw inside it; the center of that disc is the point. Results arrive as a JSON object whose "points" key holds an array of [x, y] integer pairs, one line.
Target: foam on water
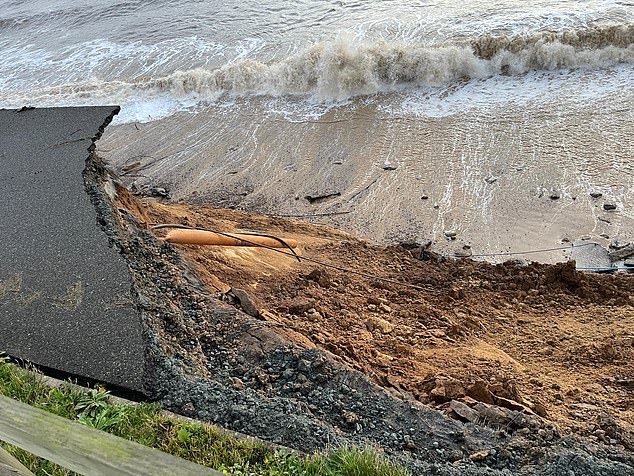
{"points": [[332, 72]]}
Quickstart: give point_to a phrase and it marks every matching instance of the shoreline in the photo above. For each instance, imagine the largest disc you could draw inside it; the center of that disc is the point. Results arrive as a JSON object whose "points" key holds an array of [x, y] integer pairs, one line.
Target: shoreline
{"points": [[391, 180]]}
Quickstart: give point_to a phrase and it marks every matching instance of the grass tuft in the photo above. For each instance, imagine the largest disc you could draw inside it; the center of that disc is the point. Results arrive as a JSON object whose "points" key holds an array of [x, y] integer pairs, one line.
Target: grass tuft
{"points": [[202, 444]]}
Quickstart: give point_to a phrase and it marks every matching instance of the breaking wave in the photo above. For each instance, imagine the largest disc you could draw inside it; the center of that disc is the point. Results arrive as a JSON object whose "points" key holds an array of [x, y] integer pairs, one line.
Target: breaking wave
{"points": [[342, 69]]}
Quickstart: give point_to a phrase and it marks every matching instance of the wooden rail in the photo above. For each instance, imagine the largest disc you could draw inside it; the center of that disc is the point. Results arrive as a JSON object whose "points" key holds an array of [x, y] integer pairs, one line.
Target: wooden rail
{"points": [[82, 449]]}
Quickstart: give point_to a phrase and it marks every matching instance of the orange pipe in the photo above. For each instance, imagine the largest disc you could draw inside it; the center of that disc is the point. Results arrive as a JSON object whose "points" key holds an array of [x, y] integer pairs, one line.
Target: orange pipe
{"points": [[201, 237]]}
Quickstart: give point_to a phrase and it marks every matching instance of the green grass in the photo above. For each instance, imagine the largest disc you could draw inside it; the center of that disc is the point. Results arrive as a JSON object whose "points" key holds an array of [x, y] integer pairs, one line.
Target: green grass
{"points": [[202, 444]]}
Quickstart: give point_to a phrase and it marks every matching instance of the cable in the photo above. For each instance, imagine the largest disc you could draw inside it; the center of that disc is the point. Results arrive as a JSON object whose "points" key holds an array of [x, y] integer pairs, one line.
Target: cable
{"points": [[347, 270], [615, 268], [294, 254], [510, 253], [229, 235]]}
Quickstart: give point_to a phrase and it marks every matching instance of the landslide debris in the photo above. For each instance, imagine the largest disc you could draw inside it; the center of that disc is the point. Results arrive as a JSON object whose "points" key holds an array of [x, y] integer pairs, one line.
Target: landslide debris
{"points": [[530, 364]]}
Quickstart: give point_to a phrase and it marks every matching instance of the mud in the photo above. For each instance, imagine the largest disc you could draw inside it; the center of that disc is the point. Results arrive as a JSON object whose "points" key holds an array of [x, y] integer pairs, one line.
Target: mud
{"points": [[336, 357]]}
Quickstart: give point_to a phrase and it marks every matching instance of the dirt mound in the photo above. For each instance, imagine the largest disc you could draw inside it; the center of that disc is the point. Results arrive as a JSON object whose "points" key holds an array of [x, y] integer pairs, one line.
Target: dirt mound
{"points": [[519, 356]]}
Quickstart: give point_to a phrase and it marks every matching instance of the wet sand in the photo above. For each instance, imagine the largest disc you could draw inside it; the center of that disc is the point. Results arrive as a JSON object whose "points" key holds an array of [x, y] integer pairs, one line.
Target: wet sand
{"points": [[501, 179]]}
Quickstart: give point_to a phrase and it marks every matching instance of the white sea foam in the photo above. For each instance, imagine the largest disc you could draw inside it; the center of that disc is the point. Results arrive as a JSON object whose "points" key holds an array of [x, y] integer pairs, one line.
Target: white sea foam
{"points": [[335, 71]]}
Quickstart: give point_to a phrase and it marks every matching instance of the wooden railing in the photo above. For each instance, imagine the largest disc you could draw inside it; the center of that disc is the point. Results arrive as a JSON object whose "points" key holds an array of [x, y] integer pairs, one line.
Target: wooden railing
{"points": [[79, 448]]}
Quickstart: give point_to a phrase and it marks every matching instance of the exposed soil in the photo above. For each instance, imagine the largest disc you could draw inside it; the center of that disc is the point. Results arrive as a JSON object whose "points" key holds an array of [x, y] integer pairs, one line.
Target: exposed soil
{"points": [[309, 356], [543, 339]]}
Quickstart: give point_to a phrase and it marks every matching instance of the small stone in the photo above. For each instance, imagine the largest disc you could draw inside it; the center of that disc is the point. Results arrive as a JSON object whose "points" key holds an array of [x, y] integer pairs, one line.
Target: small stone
{"points": [[609, 206], [314, 314], [450, 233], [436, 206], [159, 192], [596, 194], [385, 308], [479, 455], [389, 166], [424, 197], [629, 263], [246, 302], [604, 220], [491, 179], [350, 418], [463, 253], [604, 235], [376, 323], [555, 196], [372, 307], [236, 383]]}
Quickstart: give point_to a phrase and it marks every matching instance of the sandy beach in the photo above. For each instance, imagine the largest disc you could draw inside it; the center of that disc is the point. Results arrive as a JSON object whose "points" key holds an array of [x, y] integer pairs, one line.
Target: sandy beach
{"points": [[497, 179]]}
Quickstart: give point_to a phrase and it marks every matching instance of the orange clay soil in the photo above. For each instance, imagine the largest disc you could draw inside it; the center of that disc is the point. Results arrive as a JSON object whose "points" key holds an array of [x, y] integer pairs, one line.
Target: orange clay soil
{"points": [[545, 338]]}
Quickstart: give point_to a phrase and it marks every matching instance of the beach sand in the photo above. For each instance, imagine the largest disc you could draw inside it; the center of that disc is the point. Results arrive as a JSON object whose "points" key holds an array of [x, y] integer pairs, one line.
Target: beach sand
{"points": [[501, 181]]}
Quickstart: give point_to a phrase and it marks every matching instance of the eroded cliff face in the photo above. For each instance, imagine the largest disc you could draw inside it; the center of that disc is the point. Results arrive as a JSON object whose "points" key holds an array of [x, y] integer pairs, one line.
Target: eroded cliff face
{"points": [[466, 372]]}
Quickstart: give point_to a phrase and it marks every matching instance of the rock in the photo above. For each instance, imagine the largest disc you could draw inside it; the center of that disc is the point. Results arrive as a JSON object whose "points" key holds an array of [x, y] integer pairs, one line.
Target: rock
{"points": [[493, 415], [320, 197], [424, 197], [299, 308], [385, 308], [596, 194], [350, 418], [320, 277], [414, 245], [389, 166], [463, 253], [604, 220], [555, 196], [376, 323], [540, 410], [463, 411], [604, 235], [617, 245], [480, 392], [609, 206], [451, 234], [447, 389], [622, 253], [246, 302], [159, 192], [629, 263], [491, 179], [479, 455]]}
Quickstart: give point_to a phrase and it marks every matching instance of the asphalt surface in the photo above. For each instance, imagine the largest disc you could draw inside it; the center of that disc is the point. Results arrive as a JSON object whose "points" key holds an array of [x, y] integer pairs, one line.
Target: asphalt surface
{"points": [[64, 294]]}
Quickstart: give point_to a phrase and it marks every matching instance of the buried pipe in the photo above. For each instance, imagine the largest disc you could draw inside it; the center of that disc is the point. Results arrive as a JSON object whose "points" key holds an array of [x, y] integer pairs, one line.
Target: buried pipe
{"points": [[201, 237]]}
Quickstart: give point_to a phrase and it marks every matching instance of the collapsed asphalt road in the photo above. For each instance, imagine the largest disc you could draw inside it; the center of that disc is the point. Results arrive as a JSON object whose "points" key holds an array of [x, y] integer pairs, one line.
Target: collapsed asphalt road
{"points": [[64, 293]]}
